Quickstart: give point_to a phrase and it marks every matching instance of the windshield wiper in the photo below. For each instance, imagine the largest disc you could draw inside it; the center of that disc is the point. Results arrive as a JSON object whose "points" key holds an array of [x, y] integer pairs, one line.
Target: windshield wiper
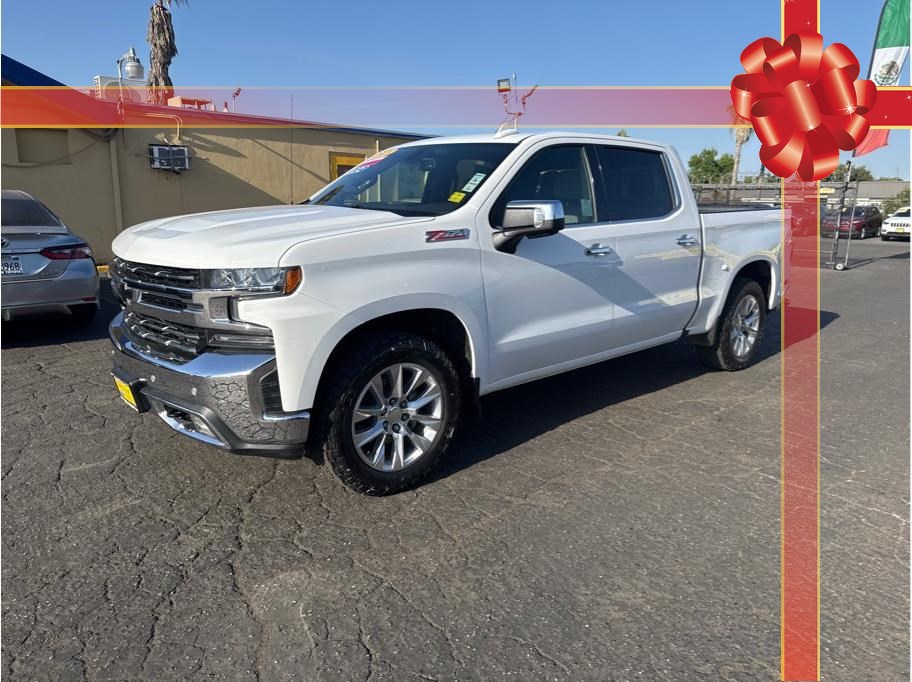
{"points": [[365, 208]]}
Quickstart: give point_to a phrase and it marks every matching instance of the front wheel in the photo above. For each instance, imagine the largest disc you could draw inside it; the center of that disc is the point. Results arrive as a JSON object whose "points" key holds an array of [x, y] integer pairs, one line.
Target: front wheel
{"points": [[739, 328], [388, 413]]}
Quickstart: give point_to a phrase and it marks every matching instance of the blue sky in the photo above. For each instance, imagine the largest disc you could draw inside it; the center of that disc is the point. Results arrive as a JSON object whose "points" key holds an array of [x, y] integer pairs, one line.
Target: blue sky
{"points": [[286, 43]]}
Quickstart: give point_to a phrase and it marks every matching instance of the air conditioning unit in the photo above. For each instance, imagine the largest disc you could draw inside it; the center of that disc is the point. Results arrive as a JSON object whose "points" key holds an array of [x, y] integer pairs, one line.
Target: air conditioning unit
{"points": [[112, 88], [169, 157]]}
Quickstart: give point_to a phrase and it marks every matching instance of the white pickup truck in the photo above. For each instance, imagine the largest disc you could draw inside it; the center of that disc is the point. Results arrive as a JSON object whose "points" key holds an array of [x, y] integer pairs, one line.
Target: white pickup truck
{"points": [[363, 322]]}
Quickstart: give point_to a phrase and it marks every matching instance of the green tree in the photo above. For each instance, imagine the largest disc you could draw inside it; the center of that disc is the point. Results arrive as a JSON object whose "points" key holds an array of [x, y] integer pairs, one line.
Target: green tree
{"points": [[163, 48], [709, 166], [623, 133], [890, 206], [858, 173]]}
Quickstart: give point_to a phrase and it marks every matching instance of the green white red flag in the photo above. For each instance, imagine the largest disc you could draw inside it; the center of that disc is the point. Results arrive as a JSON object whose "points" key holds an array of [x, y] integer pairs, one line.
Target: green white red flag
{"points": [[891, 49]]}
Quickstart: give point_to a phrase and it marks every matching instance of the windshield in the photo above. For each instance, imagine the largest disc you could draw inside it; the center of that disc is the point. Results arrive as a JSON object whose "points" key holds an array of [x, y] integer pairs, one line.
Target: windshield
{"points": [[902, 214], [424, 180]]}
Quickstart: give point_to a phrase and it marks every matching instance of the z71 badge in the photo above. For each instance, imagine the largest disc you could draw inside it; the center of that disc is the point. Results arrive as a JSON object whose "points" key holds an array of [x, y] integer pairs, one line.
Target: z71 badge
{"points": [[445, 235]]}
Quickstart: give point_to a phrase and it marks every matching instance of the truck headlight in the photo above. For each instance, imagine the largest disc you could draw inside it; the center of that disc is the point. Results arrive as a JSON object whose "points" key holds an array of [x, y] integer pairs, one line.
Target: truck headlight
{"points": [[264, 280]]}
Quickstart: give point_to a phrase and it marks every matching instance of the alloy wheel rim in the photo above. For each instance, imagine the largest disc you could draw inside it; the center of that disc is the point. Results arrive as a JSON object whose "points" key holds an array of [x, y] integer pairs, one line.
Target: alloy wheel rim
{"points": [[745, 326], [397, 417]]}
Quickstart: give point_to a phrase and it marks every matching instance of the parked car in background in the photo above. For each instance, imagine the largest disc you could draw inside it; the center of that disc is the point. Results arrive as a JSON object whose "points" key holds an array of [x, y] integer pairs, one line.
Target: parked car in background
{"points": [[859, 222], [365, 322], [897, 225], [46, 268]]}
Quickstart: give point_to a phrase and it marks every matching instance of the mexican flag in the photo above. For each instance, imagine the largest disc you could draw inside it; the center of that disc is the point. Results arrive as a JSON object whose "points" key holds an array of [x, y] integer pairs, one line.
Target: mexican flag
{"points": [[891, 48]]}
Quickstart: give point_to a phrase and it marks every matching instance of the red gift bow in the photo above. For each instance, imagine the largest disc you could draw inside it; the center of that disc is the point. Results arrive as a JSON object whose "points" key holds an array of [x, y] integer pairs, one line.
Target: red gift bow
{"points": [[804, 102]]}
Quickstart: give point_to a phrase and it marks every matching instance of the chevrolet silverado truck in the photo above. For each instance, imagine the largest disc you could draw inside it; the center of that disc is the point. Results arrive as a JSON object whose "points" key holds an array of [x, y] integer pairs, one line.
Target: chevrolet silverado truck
{"points": [[363, 322]]}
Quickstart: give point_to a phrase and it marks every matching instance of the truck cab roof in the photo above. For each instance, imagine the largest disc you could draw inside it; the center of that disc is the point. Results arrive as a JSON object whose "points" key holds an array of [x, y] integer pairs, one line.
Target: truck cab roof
{"points": [[525, 136]]}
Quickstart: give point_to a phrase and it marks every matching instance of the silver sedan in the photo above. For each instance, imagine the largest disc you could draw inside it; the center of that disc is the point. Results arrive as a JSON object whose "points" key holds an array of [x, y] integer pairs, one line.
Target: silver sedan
{"points": [[46, 268]]}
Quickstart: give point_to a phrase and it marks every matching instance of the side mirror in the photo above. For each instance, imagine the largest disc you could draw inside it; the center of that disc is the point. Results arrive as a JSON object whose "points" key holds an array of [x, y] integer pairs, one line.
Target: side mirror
{"points": [[530, 219]]}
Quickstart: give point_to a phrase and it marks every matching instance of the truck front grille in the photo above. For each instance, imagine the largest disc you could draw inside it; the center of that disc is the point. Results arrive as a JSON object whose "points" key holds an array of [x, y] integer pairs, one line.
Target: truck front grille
{"points": [[182, 342], [166, 314], [156, 276], [168, 340]]}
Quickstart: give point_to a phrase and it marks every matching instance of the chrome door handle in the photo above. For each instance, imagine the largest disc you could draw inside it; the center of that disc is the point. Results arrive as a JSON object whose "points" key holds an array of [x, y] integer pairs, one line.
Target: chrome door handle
{"points": [[598, 250], [687, 240]]}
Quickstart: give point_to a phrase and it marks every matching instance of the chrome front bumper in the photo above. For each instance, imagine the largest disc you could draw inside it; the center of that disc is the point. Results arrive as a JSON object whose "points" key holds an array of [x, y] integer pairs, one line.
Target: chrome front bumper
{"points": [[224, 399]]}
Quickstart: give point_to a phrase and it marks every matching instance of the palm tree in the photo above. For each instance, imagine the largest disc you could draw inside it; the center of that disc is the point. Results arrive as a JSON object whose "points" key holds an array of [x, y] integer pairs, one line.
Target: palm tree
{"points": [[160, 37], [741, 135]]}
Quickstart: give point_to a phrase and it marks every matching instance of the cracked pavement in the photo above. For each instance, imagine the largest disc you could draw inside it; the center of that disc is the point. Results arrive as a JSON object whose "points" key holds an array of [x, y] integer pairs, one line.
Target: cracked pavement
{"points": [[618, 522]]}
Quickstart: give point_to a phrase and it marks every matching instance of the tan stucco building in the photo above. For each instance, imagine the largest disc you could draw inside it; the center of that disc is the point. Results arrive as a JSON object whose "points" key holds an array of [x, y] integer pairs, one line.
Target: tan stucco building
{"points": [[102, 180]]}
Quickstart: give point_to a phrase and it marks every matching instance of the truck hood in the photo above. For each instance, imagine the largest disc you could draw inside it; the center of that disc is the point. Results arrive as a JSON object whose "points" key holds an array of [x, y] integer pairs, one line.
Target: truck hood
{"points": [[246, 237]]}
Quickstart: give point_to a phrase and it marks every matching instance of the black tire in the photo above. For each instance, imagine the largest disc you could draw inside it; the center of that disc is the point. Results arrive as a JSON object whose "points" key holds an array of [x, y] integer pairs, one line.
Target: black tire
{"points": [[885, 238], [83, 315], [721, 354], [342, 388]]}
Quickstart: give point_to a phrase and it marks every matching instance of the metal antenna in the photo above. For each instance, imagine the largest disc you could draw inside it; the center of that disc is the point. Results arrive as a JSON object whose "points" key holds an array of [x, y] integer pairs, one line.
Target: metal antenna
{"points": [[514, 105]]}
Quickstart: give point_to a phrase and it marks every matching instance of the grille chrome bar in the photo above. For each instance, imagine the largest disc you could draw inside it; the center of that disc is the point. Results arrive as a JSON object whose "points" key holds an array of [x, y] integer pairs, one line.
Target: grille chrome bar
{"points": [[177, 342], [141, 274]]}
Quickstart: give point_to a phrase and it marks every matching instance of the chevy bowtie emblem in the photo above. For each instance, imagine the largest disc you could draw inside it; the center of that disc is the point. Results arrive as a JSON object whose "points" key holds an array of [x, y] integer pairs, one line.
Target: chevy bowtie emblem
{"points": [[445, 235]]}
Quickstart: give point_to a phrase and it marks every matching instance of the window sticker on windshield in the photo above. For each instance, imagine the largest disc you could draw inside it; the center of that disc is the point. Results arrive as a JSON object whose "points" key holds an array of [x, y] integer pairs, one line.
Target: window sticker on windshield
{"points": [[473, 182], [456, 197]]}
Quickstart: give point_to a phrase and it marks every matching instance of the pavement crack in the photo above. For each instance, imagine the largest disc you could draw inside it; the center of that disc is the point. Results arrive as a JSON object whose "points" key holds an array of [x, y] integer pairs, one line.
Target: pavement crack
{"points": [[537, 650]]}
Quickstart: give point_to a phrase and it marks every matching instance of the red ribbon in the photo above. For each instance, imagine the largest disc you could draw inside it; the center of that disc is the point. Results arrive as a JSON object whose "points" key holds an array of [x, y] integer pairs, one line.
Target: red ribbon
{"points": [[805, 103]]}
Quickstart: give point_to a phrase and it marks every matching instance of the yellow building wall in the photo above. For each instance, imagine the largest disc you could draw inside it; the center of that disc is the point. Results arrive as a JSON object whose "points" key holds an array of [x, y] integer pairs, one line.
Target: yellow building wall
{"points": [[103, 185], [78, 189]]}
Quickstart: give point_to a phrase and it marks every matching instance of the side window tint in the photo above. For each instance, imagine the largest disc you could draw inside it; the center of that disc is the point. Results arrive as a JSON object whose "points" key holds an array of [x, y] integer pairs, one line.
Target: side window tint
{"points": [[636, 184], [556, 173]]}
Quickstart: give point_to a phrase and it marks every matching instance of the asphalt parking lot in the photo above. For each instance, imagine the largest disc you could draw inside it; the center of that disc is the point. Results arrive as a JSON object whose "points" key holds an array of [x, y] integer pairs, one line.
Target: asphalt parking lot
{"points": [[617, 522]]}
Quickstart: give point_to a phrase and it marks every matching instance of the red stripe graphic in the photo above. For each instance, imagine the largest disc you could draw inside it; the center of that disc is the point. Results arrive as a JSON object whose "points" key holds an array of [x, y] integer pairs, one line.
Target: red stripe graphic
{"points": [[800, 578], [410, 108], [800, 433]]}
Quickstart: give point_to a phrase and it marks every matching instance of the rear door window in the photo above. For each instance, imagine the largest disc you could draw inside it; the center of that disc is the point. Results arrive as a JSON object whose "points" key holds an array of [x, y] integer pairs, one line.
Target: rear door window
{"points": [[637, 186]]}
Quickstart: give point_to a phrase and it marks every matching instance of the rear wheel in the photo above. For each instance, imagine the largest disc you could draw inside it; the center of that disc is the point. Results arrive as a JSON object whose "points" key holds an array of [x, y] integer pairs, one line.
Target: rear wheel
{"points": [[738, 329], [389, 413]]}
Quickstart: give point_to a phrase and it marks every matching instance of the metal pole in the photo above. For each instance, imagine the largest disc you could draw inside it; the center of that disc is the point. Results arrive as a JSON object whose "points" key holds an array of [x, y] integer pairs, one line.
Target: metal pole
{"points": [[845, 265], [834, 250]]}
